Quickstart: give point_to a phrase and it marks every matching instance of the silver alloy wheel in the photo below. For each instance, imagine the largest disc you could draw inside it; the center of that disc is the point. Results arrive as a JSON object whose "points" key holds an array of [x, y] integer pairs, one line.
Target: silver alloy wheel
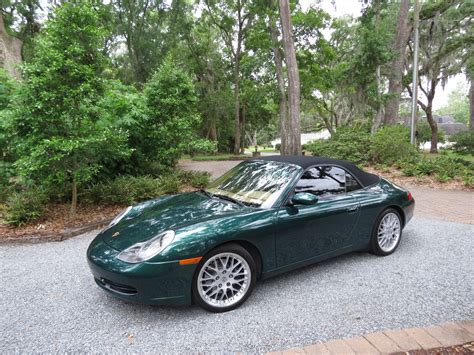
{"points": [[224, 279], [389, 231]]}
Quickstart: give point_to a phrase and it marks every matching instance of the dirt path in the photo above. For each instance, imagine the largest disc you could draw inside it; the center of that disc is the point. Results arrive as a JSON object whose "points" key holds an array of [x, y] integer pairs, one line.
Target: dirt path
{"points": [[448, 205]]}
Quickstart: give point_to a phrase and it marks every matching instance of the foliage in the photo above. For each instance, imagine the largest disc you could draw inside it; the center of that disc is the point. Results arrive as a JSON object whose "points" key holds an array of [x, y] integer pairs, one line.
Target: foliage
{"points": [[457, 106], [25, 206], [423, 132], [444, 168], [57, 124], [171, 114], [128, 190], [391, 144], [7, 89], [464, 142], [348, 143], [201, 146]]}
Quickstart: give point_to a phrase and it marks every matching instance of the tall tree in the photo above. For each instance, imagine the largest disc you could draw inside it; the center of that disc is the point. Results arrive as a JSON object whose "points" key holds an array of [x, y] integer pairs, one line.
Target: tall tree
{"points": [[395, 84], [57, 124], [150, 28], [294, 129], [280, 77], [233, 19], [445, 42]]}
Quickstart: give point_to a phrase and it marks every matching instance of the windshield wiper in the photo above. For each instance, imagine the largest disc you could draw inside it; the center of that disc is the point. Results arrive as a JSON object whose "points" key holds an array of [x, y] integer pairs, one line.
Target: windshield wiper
{"points": [[227, 198]]}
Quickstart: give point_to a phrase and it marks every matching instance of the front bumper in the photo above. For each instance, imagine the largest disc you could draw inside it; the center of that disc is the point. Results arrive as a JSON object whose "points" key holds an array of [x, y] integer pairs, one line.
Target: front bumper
{"points": [[166, 283]]}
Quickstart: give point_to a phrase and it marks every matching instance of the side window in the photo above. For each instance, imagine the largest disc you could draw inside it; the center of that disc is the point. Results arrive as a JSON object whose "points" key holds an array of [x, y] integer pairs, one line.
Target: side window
{"points": [[351, 183], [323, 181]]}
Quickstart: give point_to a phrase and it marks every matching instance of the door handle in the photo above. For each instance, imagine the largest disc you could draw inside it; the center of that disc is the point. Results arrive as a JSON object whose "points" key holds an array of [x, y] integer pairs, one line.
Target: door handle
{"points": [[352, 209]]}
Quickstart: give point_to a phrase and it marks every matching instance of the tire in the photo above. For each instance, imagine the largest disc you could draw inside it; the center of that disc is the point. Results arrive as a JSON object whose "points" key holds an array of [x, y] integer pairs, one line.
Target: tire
{"points": [[224, 278], [387, 232]]}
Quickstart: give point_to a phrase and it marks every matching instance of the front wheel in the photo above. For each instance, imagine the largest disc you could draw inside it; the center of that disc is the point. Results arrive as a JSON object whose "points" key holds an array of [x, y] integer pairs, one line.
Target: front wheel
{"points": [[387, 232], [224, 279]]}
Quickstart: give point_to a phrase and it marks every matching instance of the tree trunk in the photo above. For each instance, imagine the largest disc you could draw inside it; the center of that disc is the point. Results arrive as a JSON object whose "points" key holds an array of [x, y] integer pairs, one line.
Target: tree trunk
{"points": [[434, 129], [73, 197], [471, 104], [242, 130], [379, 114], [10, 51], [395, 86], [237, 107], [294, 136], [283, 101]]}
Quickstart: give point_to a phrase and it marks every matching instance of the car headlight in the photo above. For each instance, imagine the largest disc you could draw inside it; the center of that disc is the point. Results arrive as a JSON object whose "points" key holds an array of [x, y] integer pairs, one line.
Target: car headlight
{"points": [[119, 217], [144, 251]]}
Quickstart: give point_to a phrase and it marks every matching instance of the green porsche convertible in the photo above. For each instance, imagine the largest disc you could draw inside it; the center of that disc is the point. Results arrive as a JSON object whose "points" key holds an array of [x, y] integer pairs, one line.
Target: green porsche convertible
{"points": [[263, 217]]}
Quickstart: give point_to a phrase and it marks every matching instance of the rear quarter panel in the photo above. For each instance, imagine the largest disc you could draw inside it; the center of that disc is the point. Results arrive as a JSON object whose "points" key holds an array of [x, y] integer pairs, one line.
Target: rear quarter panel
{"points": [[373, 200]]}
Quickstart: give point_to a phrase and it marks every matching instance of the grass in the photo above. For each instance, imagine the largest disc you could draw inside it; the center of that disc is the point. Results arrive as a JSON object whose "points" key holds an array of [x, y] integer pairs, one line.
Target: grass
{"points": [[261, 149], [219, 157]]}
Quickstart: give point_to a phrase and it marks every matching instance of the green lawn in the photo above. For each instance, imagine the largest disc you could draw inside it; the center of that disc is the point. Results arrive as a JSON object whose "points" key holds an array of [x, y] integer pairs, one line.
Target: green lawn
{"points": [[219, 157]]}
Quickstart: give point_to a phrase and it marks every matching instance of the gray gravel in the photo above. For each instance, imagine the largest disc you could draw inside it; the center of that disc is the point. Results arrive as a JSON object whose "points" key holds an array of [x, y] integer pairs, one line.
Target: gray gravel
{"points": [[50, 303]]}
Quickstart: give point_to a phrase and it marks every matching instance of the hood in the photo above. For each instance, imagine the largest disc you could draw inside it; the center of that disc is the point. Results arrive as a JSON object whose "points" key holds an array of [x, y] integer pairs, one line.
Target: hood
{"points": [[150, 218]]}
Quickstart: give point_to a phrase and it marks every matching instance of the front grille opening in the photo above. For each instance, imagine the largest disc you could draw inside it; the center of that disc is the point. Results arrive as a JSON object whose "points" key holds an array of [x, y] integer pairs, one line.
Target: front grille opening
{"points": [[115, 287]]}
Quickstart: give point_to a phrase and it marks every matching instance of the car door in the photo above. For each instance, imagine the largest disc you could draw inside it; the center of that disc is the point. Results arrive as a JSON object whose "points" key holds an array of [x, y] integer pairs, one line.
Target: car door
{"points": [[308, 231]]}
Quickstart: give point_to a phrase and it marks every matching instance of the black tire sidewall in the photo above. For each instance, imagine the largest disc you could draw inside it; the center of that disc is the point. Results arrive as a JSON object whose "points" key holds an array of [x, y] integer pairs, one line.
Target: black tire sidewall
{"points": [[227, 248], [375, 247]]}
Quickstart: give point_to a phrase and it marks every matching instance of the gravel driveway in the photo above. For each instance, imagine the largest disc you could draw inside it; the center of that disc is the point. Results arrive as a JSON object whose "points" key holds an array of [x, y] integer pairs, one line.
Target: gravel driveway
{"points": [[50, 303]]}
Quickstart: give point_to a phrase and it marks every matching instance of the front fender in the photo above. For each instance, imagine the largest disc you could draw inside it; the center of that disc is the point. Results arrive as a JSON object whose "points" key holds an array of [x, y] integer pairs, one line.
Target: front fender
{"points": [[255, 227]]}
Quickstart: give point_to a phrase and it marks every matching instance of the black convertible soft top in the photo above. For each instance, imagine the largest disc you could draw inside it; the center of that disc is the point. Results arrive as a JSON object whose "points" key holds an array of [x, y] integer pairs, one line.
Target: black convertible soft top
{"points": [[365, 178]]}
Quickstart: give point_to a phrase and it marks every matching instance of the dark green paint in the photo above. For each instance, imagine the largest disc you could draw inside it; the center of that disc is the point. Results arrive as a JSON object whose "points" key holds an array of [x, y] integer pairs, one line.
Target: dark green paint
{"points": [[304, 198], [287, 236]]}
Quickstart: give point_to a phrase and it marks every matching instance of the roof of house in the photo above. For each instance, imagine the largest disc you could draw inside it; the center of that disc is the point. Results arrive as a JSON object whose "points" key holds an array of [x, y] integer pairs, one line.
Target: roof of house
{"points": [[305, 162]]}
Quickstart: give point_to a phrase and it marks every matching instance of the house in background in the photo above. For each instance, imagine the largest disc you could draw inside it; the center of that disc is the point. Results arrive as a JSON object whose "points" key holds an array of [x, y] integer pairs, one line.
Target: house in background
{"points": [[445, 123]]}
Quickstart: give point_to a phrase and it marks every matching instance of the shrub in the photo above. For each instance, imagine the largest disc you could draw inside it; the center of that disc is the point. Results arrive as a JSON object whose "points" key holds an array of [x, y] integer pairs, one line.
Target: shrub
{"points": [[423, 132], [127, 190], [277, 147], [349, 143], [198, 179], [25, 206], [202, 146], [391, 144], [124, 190], [464, 142], [444, 168], [172, 117]]}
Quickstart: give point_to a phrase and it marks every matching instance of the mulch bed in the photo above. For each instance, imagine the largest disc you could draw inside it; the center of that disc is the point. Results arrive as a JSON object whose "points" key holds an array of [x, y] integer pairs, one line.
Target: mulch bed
{"points": [[57, 225], [396, 176]]}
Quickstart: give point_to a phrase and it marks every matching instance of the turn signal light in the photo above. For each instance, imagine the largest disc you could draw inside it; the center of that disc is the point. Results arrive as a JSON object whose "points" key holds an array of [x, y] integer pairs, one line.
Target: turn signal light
{"points": [[190, 261]]}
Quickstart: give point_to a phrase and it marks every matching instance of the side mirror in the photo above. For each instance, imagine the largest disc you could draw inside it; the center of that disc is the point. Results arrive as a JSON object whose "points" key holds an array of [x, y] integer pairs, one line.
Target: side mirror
{"points": [[304, 198]]}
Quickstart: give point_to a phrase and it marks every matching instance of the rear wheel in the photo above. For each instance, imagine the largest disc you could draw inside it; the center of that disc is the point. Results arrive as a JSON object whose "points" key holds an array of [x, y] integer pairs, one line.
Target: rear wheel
{"points": [[387, 232], [224, 279]]}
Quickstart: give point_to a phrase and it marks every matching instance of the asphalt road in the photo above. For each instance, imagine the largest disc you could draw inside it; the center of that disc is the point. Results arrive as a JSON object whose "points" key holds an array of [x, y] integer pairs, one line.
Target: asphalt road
{"points": [[49, 301]]}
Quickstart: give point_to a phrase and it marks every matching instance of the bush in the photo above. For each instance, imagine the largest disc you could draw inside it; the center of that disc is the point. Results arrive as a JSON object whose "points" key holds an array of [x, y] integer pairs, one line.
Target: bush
{"points": [[25, 206], [423, 133], [348, 143], [464, 142], [277, 147], [391, 144], [202, 146], [124, 190], [198, 179], [127, 190], [444, 168]]}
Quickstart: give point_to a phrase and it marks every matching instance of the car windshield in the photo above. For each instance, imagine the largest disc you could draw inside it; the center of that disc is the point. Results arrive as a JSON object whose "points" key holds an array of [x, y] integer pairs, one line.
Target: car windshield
{"points": [[256, 183]]}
